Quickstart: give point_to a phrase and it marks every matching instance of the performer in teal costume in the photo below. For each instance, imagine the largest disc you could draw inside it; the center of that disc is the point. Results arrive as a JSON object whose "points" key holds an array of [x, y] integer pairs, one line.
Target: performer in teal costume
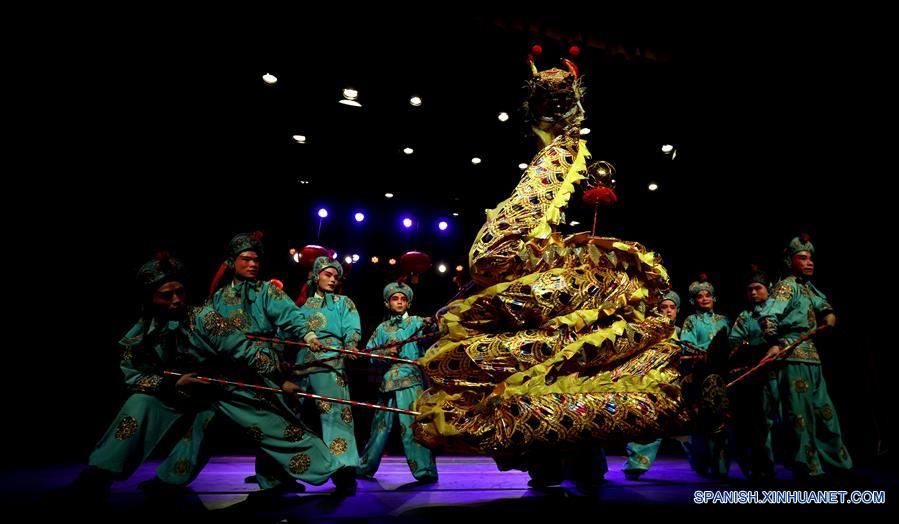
{"points": [[400, 387], [331, 321], [815, 444], [171, 338], [640, 457], [706, 452]]}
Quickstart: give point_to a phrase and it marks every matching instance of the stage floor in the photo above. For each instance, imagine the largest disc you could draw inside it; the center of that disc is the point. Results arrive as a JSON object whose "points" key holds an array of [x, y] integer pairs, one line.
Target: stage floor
{"points": [[469, 488]]}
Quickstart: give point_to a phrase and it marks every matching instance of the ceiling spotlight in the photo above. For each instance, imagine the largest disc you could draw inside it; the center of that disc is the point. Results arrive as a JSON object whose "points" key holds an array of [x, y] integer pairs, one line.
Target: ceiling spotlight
{"points": [[522, 166], [388, 195], [442, 268], [459, 268], [349, 98], [475, 160], [455, 214], [301, 139], [355, 258], [415, 101], [503, 116], [408, 150], [269, 78], [392, 261], [574, 223], [442, 225], [407, 222], [653, 186], [375, 260], [323, 213], [667, 148], [348, 259], [585, 130], [359, 217]]}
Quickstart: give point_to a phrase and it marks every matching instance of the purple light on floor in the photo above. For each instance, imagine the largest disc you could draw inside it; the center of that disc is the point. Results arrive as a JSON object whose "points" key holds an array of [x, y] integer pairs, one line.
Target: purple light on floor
{"points": [[407, 223], [442, 225], [323, 213], [464, 480]]}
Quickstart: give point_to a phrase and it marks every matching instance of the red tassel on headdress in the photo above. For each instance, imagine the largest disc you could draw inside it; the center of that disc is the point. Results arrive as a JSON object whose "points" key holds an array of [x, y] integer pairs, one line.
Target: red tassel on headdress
{"points": [[574, 50], [805, 237], [256, 235], [163, 260], [303, 296], [277, 283], [217, 278], [703, 277], [536, 49], [754, 268]]}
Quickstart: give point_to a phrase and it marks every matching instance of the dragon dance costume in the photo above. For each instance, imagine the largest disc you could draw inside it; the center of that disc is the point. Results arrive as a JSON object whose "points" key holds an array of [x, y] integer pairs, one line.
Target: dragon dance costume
{"points": [[562, 345]]}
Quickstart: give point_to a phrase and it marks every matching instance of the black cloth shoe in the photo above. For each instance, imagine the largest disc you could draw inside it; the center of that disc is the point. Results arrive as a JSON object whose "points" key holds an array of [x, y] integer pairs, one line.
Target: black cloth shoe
{"points": [[156, 487], [427, 479], [633, 474], [345, 481]]}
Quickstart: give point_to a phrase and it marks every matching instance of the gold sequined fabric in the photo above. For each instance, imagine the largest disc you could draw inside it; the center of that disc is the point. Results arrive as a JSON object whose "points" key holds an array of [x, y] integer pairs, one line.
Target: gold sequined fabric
{"points": [[127, 428], [338, 446], [293, 433], [562, 344], [299, 463], [346, 415], [217, 325]]}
